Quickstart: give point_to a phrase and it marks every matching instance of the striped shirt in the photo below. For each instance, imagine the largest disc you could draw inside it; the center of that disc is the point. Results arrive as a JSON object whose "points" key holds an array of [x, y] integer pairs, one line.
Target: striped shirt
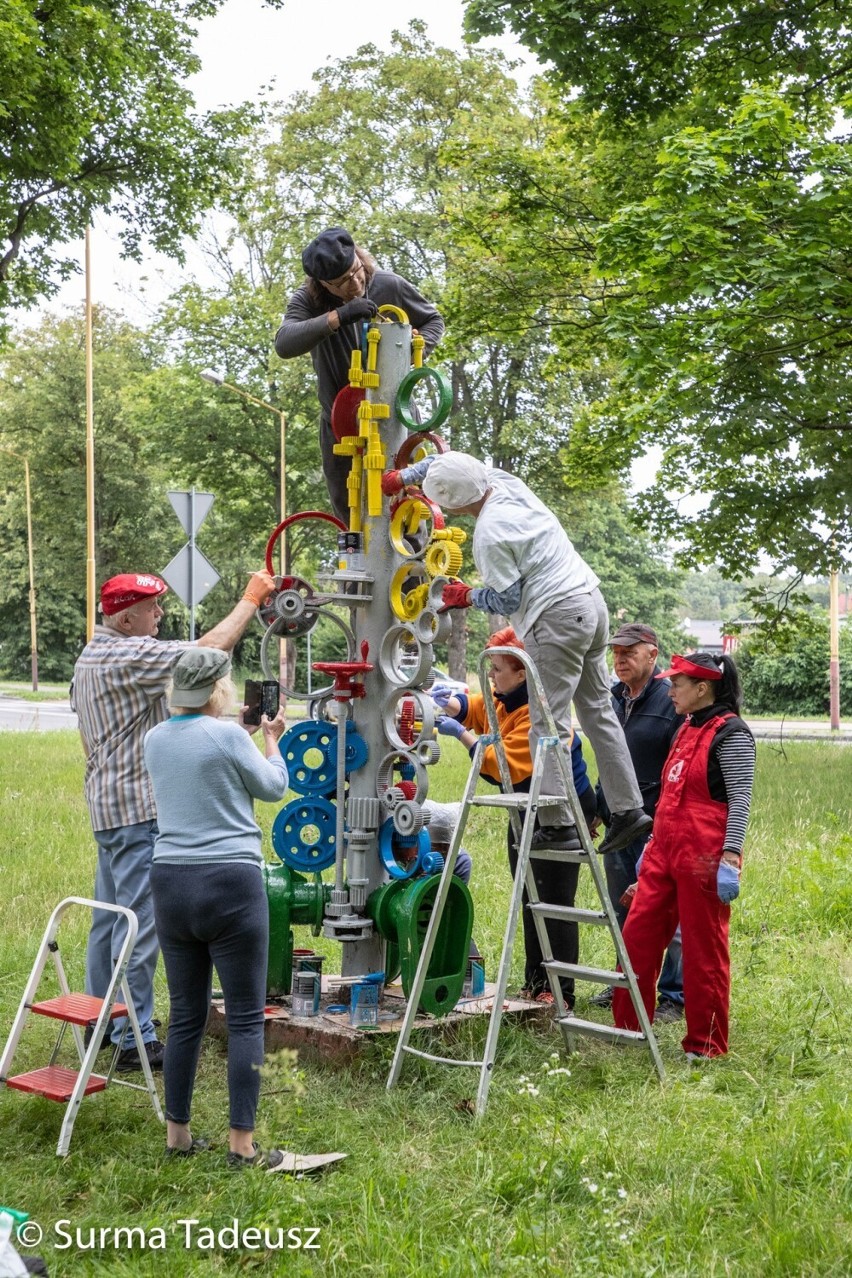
{"points": [[736, 762], [118, 693]]}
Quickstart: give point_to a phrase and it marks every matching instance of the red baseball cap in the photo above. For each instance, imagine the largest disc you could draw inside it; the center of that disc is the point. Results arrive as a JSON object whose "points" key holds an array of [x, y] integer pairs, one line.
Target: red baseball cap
{"points": [[704, 668], [129, 588]]}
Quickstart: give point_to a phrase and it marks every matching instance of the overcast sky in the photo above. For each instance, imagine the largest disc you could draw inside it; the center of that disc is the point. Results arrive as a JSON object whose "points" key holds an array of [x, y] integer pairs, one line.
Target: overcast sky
{"points": [[243, 48]]}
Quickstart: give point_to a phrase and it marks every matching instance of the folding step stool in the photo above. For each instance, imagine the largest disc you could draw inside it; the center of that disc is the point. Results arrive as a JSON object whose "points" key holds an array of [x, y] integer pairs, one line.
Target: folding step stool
{"points": [[540, 910], [76, 1010]]}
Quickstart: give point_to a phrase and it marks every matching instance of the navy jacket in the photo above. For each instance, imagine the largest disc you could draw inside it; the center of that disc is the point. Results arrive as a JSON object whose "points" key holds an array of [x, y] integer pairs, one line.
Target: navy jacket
{"points": [[649, 731]]}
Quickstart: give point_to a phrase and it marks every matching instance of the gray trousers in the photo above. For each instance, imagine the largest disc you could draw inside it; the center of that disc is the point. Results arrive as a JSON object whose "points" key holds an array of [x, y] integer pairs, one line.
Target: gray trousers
{"points": [[568, 645]]}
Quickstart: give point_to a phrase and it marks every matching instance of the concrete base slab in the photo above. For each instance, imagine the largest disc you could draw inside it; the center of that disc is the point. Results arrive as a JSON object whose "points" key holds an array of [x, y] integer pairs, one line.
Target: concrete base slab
{"points": [[329, 1037]]}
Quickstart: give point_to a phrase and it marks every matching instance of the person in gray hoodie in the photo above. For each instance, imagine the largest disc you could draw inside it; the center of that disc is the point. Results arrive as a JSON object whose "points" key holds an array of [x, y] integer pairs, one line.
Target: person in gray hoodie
{"points": [[324, 318]]}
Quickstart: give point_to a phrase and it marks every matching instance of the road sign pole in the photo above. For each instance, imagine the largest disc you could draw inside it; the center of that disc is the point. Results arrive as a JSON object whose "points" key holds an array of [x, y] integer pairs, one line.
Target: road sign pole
{"points": [[189, 574], [191, 565]]}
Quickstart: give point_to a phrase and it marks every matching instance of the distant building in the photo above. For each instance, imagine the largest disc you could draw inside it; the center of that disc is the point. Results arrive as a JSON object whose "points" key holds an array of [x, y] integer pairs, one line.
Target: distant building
{"points": [[707, 635], [715, 636]]}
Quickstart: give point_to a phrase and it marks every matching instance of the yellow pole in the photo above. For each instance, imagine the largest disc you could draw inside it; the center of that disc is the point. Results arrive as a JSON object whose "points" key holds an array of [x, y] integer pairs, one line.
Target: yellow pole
{"points": [[834, 653], [90, 452], [33, 637]]}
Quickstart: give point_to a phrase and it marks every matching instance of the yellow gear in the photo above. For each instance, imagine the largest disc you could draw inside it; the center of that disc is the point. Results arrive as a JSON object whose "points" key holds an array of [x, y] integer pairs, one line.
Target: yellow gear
{"points": [[443, 559], [408, 606]]}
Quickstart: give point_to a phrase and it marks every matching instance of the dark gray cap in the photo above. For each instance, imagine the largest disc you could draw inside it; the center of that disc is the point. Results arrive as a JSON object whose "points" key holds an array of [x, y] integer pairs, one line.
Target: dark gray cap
{"points": [[633, 632], [330, 255], [195, 673]]}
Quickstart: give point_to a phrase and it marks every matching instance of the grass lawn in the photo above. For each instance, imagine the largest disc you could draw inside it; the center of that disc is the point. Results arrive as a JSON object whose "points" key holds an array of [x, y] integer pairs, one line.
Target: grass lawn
{"points": [[743, 1167]]}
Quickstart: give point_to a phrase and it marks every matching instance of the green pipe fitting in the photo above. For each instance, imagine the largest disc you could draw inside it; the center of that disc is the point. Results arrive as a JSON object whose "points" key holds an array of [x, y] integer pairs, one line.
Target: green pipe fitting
{"points": [[292, 899], [401, 911]]}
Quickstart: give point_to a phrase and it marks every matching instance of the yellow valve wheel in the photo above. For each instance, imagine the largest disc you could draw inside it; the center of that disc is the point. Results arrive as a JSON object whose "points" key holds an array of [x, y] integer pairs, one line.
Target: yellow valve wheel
{"points": [[396, 311], [407, 518], [409, 591]]}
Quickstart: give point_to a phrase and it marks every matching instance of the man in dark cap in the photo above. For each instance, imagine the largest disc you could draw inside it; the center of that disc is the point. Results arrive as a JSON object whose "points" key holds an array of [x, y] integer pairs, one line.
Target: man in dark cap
{"points": [[118, 693], [343, 288], [644, 709]]}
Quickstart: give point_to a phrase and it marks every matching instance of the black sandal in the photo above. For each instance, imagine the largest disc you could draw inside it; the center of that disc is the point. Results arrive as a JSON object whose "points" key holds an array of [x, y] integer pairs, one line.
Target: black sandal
{"points": [[198, 1146]]}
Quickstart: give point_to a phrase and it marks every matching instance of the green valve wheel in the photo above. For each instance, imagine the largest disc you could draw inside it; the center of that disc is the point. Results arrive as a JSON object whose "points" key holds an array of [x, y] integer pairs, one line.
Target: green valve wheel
{"points": [[403, 398]]}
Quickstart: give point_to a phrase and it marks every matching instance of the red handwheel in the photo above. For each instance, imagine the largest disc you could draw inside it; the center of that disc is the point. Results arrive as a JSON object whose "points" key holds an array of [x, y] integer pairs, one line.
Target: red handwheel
{"points": [[295, 519]]}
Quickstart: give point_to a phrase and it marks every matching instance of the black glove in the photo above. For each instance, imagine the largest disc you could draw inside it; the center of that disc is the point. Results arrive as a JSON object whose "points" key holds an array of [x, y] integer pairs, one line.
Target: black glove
{"points": [[360, 308]]}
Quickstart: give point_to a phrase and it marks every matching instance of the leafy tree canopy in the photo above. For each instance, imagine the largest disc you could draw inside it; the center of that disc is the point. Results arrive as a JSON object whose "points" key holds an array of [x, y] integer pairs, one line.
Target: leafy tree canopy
{"points": [[95, 113], [698, 264], [634, 60]]}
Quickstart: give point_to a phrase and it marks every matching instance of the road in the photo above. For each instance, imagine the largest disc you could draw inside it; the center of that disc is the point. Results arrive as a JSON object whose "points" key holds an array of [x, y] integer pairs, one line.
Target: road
{"points": [[35, 716], [44, 716]]}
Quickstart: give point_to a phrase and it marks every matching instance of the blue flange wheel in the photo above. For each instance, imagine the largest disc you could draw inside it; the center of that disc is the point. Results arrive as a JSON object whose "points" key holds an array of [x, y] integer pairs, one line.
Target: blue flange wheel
{"points": [[389, 840], [310, 751], [303, 834]]}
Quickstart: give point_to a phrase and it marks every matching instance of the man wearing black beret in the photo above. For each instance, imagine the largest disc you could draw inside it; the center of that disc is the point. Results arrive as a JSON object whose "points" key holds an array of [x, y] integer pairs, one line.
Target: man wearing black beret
{"points": [[343, 287]]}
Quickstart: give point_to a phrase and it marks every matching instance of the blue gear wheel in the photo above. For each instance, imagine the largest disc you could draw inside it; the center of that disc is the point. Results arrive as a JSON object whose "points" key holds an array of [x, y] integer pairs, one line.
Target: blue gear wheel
{"points": [[288, 829], [310, 751], [432, 863], [388, 839]]}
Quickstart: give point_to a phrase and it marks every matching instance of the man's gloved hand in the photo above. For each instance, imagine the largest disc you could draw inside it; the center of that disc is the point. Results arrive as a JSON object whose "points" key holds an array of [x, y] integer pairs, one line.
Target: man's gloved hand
{"points": [[455, 595], [448, 727], [260, 587], [360, 308], [727, 882], [392, 483]]}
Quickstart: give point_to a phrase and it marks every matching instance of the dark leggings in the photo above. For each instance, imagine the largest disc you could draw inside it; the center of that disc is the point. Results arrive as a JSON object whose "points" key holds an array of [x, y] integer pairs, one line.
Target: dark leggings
{"points": [[210, 914], [556, 883]]}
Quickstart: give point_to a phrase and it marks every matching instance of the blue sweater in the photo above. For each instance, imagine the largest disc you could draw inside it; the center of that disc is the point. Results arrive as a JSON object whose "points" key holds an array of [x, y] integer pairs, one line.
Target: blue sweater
{"points": [[205, 775]]}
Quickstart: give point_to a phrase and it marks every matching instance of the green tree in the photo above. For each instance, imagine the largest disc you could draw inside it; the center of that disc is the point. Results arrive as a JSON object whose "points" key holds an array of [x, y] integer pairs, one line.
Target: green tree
{"points": [[42, 416], [96, 113], [793, 678], [717, 238], [633, 61]]}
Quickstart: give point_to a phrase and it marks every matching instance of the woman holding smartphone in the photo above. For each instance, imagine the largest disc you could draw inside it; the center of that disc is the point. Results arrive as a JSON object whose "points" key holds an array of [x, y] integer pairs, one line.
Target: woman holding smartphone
{"points": [[210, 906]]}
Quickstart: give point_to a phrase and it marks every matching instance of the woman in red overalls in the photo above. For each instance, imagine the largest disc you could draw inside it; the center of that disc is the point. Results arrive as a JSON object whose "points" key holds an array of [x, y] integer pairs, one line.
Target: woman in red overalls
{"points": [[691, 867]]}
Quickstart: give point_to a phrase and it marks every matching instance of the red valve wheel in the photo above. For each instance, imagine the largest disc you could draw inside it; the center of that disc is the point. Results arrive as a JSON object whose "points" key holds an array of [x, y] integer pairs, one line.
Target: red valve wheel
{"points": [[344, 411], [343, 673], [288, 522], [413, 442]]}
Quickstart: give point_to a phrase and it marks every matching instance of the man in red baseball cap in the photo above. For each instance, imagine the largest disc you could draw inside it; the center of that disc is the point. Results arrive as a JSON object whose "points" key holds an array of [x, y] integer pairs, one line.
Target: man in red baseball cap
{"points": [[129, 588], [118, 693]]}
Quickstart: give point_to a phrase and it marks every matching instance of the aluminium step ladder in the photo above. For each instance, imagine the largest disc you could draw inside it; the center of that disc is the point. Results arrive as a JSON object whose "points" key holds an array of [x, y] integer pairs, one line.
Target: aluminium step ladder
{"points": [[77, 1010], [570, 1026]]}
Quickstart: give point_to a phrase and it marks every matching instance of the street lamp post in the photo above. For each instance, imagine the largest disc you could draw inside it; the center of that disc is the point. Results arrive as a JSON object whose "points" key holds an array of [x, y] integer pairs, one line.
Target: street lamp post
{"points": [[33, 635], [215, 379]]}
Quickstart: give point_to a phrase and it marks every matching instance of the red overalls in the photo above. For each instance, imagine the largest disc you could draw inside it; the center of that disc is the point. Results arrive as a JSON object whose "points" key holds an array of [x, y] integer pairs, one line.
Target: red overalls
{"points": [[678, 879]]}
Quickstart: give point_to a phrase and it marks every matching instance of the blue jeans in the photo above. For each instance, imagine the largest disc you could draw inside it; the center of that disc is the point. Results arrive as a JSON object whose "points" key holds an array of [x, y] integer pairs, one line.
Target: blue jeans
{"points": [[123, 878], [208, 915], [620, 869]]}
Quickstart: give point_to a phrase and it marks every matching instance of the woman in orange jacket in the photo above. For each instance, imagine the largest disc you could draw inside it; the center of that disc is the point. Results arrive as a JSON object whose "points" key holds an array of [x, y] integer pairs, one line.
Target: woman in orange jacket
{"points": [[465, 718]]}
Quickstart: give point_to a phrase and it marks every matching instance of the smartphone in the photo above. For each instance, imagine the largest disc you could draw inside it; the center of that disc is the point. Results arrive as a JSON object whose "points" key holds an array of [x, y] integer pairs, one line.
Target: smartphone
{"points": [[261, 697]]}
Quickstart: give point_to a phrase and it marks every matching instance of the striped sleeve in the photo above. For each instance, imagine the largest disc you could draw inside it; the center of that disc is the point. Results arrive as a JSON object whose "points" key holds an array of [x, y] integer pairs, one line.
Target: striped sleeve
{"points": [[736, 755]]}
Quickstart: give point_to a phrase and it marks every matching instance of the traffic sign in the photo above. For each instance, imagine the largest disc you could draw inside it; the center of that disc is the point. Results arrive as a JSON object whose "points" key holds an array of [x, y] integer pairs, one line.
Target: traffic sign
{"points": [[191, 575], [191, 509]]}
